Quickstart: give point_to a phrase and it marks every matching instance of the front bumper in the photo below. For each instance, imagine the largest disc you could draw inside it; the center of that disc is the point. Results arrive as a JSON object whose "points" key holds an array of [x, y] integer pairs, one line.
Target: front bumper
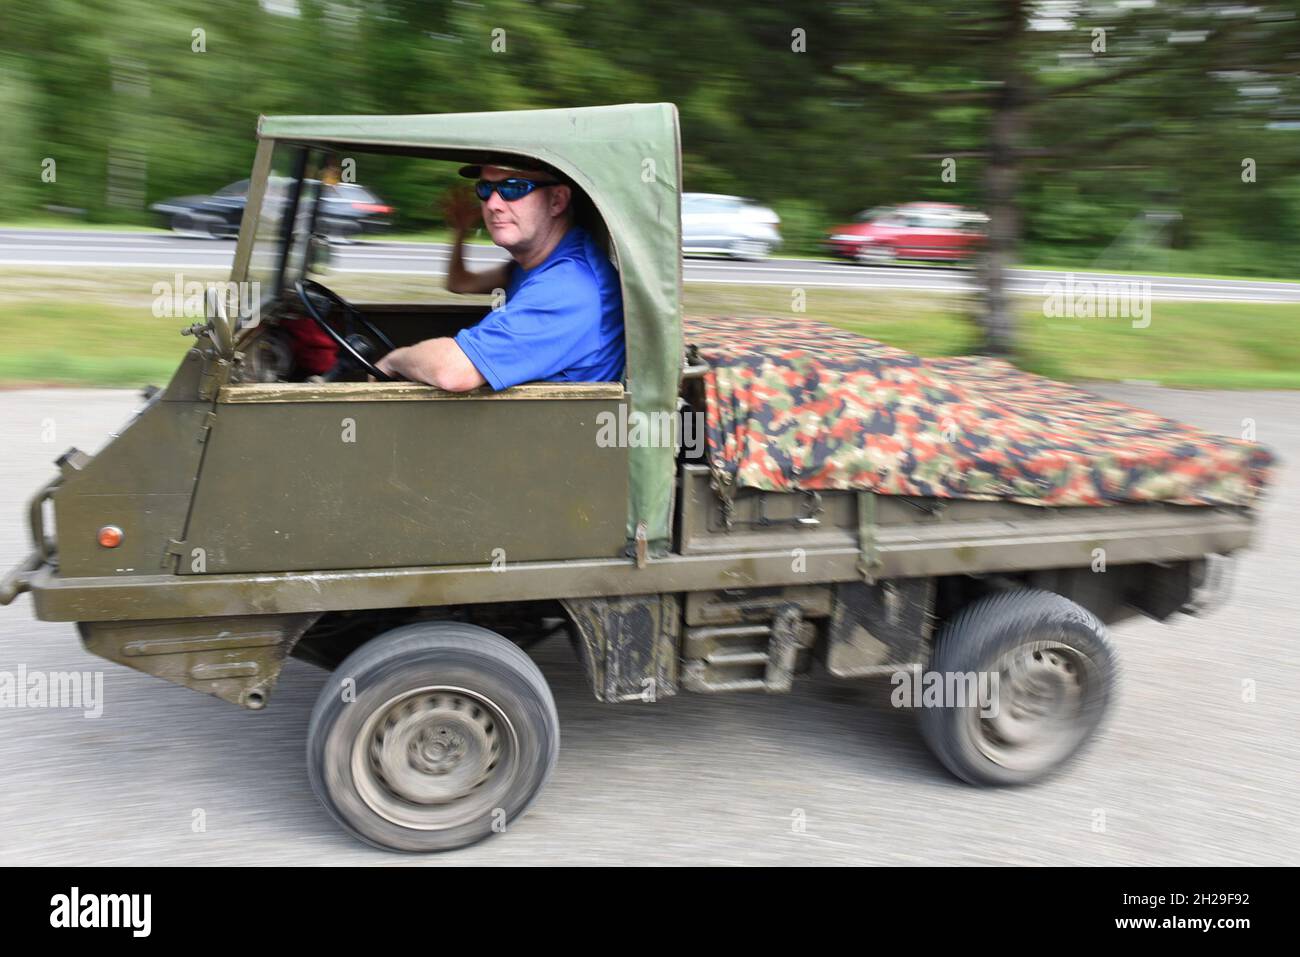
{"points": [[846, 248], [19, 578]]}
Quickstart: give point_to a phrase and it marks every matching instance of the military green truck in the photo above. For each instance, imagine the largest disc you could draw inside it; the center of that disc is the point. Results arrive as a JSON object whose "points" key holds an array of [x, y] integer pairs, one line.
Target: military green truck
{"points": [[855, 510]]}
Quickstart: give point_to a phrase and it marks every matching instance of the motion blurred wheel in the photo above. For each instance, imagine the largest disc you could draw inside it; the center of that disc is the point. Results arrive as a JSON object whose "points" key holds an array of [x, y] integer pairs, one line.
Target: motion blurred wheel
{"points": [[1055, 674], [192, 227], [874, 254], [750, 250], [432, 736], [344, 232]]}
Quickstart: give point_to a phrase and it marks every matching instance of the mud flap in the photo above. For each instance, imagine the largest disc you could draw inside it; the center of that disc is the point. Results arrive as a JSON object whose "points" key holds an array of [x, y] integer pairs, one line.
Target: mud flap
{"points": [[628, 646], [879, 629]]}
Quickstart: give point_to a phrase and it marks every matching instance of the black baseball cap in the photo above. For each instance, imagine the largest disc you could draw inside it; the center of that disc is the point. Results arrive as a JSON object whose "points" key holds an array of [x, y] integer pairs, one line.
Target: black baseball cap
{"points": [[474, 171]]}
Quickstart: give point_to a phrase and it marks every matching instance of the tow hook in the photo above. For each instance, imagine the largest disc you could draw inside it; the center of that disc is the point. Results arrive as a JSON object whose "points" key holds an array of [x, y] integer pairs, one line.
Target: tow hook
{"points": [[19, 578]]}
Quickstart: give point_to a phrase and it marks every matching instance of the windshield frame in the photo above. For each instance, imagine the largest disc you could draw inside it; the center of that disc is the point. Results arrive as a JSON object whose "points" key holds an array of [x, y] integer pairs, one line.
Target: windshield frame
{"points": [[286, 242]]}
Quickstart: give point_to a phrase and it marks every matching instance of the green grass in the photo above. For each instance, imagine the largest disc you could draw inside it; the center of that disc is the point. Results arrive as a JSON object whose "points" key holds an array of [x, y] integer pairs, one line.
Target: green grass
{"points": [[1085, 270], [1187, 344], [1226, 257], [84, 344], [921, 322], [64, 222], [98, 328], [53, 368], [477, 238], [94, 328]]}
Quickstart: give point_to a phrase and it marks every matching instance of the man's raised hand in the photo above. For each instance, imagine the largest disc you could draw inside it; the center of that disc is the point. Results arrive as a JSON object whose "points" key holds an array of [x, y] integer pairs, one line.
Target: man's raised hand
{"points": [[460, 210]]}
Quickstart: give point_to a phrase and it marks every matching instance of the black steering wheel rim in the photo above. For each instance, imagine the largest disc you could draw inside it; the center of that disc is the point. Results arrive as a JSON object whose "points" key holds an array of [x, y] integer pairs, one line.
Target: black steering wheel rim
{"points": [[303, 286]]}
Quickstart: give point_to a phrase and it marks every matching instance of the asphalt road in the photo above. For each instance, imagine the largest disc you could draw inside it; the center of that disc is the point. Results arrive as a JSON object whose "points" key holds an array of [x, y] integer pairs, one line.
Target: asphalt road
{"points": [[159, 250], [1184, 772]]}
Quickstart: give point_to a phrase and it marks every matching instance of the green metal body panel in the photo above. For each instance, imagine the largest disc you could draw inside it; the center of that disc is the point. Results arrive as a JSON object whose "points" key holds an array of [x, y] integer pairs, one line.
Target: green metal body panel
{"points": [[142, 482], [367, 476]]}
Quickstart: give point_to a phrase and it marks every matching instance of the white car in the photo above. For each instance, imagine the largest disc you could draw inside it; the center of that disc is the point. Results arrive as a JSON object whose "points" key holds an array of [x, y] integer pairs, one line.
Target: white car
{"points": [[730, 225]]}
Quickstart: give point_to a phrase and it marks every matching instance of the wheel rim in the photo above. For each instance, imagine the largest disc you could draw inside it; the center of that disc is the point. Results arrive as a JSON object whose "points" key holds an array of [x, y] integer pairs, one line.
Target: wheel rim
{"points": [[875, 255], [1046, 707], [751, 249], [184, 224], [434, 758]]}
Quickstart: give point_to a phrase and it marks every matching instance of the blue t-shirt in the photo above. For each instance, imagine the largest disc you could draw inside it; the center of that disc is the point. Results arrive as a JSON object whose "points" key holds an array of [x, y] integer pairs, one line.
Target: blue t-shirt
{"points": [[562, 321]]}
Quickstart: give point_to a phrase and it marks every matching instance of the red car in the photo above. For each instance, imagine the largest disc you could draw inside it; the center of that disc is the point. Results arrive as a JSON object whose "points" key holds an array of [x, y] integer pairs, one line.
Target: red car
{"points": [[942, 232]]}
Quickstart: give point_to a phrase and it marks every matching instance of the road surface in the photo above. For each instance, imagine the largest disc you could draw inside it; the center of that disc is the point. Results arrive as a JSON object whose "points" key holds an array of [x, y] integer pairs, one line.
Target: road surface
{"points": [[97, 250]]}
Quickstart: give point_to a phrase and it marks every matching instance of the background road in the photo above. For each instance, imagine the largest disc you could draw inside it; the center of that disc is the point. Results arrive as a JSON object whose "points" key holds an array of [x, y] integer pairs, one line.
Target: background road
{"points": [[1184, 771], [87, 250]]}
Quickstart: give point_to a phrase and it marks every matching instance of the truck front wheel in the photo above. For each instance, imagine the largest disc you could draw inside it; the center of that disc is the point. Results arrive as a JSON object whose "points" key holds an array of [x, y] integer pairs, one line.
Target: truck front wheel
{"points": [[432, 736], [1046, 673]]}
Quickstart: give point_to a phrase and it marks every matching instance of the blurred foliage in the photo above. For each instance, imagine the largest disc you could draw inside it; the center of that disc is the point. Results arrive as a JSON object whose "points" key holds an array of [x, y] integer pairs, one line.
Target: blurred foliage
{"points": [[116, 94], [803, 224]]}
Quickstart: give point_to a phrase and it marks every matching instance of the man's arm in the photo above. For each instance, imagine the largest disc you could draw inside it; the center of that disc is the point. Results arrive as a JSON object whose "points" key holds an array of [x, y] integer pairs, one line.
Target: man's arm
{"points": [[461, 211], [438, 362], [462, 280]]}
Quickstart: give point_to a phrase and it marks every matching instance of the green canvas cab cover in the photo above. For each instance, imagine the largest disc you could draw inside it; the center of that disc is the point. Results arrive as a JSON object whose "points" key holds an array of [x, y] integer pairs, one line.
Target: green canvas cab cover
{"points": [[627, 158]]}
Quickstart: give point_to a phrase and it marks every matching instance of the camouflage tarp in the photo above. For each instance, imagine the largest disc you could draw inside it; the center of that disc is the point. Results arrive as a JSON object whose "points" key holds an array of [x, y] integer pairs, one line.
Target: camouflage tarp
{"points": [[794, 404]]}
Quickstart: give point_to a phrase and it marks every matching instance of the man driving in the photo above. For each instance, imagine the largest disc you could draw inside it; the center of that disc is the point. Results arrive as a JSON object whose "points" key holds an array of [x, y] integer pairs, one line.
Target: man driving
{"points": [[562, 319]]}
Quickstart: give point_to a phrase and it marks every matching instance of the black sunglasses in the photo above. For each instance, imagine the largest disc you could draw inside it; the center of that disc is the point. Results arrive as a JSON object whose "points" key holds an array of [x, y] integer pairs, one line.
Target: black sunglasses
{"points": [[511, 188]]}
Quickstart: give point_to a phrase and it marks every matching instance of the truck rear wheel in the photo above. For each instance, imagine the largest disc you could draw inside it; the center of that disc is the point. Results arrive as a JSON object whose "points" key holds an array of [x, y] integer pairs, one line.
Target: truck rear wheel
{"points": [[432, 736], [1055, 672]]}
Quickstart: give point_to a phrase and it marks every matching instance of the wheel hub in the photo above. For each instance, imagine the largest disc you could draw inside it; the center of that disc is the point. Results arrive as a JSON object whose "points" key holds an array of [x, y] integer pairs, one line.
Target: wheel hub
{"points": [[438, 750], [1041, 706], [431, 748]]}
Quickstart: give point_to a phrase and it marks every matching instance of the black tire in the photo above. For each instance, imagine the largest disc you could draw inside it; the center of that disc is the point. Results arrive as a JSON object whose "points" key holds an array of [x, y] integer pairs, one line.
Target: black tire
{"points": [[342, 231], [875, 255], [462, 701], [1045, 648], [186, 224], [750, 250]]}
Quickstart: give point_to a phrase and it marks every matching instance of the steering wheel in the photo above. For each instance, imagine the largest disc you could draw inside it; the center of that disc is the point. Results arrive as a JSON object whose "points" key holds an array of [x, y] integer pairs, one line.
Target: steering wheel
{"points": [[305, 288]]}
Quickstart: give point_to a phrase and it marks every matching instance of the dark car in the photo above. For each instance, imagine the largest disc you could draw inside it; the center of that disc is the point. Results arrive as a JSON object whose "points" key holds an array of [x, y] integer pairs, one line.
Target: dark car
{"points": [[942, 232], [347, 210]]}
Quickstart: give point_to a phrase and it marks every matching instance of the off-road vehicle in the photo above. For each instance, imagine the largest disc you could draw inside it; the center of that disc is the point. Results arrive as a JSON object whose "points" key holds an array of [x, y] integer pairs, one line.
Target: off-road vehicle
{"points": [[855, 508]]}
